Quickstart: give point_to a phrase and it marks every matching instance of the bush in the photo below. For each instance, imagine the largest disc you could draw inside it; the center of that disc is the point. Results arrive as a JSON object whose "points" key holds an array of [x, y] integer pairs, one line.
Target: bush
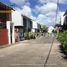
{"points": [[54, 31], [26, 36], [29, 35], [62, 38]]}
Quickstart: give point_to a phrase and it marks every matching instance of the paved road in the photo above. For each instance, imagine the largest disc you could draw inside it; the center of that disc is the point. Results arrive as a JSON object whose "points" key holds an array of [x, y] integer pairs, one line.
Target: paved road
{"points": [[56, 58], [32, 53]]}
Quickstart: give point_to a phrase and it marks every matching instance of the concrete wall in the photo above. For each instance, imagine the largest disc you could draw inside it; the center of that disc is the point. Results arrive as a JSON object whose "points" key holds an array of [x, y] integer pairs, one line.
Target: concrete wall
{"points": [[34, 24], [10, 41], [17, 19], [62, 20]]}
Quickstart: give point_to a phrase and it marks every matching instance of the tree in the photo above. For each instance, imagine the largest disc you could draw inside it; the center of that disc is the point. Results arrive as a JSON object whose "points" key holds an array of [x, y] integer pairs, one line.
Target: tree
{"points": [[44, 28]]}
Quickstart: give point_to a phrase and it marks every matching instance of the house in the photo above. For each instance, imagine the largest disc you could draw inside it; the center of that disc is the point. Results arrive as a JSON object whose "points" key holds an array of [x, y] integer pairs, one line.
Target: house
{"points": [[39, 27], [34, 26], [17, 19], [5, 24], [22, 24], [27, 24], [50, 29], [64, 21]]}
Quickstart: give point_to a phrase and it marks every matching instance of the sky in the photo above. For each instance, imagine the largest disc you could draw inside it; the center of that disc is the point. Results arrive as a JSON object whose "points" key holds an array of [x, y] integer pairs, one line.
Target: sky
{"points": [[42, 11]]}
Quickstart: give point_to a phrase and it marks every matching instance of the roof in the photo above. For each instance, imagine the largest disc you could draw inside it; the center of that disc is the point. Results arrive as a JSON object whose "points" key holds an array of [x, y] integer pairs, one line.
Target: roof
{"points": [[26, 17], [4, 6], [65, 13]]}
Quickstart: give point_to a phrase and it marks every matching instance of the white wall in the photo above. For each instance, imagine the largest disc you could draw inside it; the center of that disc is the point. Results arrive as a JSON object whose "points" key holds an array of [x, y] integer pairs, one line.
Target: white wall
{"points": [[17, 19], [62, 20], [8, 28], [34, 25], [9, 33], [33, 30], [50, 29], [13, 34]]}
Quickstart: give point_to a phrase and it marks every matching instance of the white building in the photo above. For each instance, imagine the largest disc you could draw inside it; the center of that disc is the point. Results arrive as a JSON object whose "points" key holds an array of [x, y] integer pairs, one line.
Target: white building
{"points": [[22, 24], [64, 18], [34, 26], [50, 29], [64, 21], [17, 19]]}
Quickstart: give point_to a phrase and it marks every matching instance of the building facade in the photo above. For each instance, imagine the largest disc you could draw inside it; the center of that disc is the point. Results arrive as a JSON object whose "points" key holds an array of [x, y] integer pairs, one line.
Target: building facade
{"points": [[17, 19], [5, 16], [22, 24], [27, 24], [34, 27], [64, 21]]}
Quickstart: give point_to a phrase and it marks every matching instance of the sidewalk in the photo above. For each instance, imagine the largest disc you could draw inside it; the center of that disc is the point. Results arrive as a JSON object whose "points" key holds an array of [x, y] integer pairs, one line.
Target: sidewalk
{"points": [[56, 57]]}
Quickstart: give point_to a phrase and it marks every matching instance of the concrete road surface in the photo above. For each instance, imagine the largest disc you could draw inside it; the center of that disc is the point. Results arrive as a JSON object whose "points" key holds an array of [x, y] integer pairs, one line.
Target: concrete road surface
{"points": [[30, 53]]}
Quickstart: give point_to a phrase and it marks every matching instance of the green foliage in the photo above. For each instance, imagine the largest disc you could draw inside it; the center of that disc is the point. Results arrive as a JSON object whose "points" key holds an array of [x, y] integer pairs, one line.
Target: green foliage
{"points": [[26, 35], [29, 35], [62, 38], [54, 31], [44, 28]]}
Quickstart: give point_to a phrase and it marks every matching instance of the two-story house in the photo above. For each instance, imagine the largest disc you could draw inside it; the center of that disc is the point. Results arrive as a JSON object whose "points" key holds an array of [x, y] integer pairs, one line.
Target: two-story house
{"points": [[5, 25], [17, 19], [27, 24], [22, 24]]}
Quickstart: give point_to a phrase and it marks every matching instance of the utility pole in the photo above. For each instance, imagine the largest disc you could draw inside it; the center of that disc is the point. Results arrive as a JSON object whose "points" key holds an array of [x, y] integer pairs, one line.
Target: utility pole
{"points": [[57, 11]]}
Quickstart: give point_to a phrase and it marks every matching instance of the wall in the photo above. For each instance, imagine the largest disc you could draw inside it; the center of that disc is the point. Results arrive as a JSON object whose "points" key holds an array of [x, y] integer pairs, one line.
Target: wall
{"points": [[11, 35], [62, 20], [34, 24], [3, 36], [27, 22], [17, 18]]}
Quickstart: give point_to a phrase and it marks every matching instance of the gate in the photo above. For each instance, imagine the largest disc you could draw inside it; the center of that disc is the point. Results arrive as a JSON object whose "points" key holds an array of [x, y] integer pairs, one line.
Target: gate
{"points": [[3, 36]]}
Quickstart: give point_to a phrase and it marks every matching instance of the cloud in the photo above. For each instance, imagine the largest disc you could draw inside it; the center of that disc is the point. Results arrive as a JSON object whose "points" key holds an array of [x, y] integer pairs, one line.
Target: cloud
{"points": [[18, 2], [45, 10], [27, 11], [49, 19], [33, 17], [49, 7], [60, 14], [53, 1], [47, 13], [62, 1]]}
